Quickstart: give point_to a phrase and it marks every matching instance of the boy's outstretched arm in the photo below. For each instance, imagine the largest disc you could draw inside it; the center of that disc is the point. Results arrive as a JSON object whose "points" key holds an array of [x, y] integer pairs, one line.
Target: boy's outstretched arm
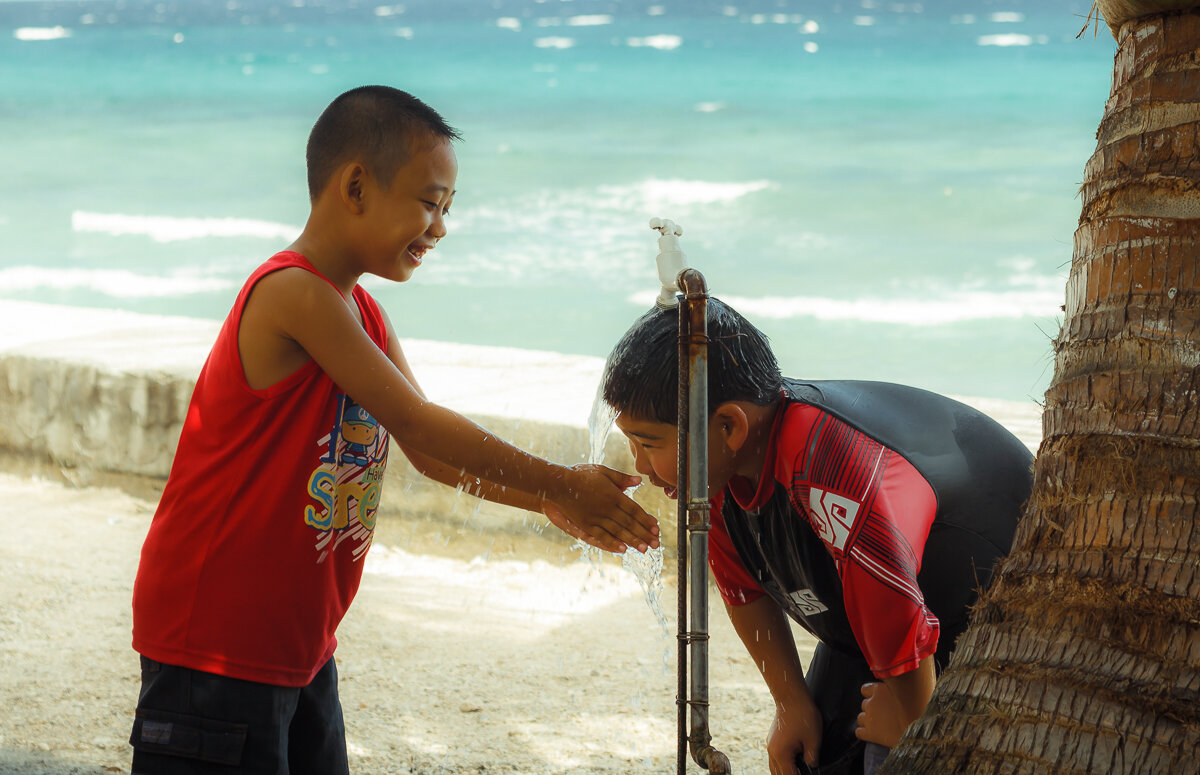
{"points": [[595, 535], [300, 307], [796, 731]]}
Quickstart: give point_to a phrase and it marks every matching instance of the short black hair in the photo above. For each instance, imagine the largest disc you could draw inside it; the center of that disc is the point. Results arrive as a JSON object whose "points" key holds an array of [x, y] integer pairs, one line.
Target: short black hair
{"points": [[379, 124], [641, 375]]}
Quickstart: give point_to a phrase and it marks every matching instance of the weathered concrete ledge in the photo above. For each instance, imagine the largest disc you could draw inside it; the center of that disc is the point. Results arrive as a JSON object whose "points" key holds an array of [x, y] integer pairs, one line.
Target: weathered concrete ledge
{"points": [[99, 393]]}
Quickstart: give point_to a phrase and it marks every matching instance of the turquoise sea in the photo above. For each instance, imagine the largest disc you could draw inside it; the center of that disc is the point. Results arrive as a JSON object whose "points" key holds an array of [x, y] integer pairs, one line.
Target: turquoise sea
{"points": [[888, 189]]}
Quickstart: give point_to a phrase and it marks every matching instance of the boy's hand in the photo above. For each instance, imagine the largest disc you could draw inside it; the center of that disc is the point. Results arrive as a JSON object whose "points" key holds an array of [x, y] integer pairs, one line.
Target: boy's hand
{"points": [[880, 720], [597, 510], [795, 735]]}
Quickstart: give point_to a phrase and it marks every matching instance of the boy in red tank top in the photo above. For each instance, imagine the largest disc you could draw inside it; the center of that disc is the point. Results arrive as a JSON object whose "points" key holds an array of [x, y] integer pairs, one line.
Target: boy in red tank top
{"points": [[256, 549]]}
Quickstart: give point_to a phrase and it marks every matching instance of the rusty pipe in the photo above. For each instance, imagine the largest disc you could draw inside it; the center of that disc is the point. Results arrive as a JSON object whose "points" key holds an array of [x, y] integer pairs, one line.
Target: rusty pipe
{"points": [[694, 522]]}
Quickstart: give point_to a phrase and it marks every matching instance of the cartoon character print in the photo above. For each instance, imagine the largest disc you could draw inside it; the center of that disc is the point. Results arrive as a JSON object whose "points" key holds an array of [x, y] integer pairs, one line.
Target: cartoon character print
{"points": [[359, 429], [346, 485]]}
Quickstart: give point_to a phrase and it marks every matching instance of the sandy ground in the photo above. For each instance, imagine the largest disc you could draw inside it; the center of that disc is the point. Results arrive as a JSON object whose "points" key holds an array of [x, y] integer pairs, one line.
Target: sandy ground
{"points": [[462, 653]]}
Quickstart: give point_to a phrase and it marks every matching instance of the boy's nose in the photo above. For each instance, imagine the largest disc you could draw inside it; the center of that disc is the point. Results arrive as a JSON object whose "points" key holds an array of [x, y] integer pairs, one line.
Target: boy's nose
{"points": [[437, 229], [640, 463]]}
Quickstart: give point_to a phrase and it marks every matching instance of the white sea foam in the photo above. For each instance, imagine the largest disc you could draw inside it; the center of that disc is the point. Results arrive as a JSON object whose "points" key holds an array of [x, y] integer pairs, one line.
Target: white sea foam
{"points": [[613, 218], [555, 208], [940, 309], [110, 282], [509, 23], [589, 20], [660, 42], [671, 192], [1006, 39], [1007, 17], [554, 42], [709, 107], [864, 21], [41, 33], [162, 228]]}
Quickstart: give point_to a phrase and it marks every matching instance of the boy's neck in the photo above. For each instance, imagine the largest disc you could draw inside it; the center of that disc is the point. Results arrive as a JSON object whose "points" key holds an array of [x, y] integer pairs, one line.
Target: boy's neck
{"points": [[328, 262]]}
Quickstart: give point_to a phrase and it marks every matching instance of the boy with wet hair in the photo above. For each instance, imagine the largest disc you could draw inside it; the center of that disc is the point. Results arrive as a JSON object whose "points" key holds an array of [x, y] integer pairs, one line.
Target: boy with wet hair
{"points": [[869, 513], [256, 549]]}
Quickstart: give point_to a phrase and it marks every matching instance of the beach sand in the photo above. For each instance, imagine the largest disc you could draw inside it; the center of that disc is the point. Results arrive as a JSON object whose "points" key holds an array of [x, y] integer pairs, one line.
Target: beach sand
{"points": [[473, 646]]}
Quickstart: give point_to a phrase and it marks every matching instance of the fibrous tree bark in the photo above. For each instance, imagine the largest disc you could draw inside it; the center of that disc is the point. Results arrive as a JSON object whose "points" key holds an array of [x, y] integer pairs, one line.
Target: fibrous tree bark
{"points": [[1084, 654]]}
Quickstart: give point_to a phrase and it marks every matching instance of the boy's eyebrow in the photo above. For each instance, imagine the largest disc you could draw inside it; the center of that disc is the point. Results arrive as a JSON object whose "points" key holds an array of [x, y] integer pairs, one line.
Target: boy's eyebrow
{"points": [[646, 436], [434, 188]]}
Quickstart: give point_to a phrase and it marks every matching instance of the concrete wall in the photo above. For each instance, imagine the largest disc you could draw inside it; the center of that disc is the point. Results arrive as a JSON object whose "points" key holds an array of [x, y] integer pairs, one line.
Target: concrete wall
{"points": [[99, 394]]}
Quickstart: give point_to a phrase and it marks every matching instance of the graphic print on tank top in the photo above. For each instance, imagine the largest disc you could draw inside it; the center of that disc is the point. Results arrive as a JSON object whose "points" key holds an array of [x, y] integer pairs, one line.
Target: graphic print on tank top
{"points": [[347, 483]]}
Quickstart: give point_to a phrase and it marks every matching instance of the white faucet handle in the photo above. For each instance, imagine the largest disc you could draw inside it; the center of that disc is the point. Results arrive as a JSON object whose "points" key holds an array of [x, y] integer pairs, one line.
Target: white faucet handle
{"points": [[667, 227], [670, 262]]}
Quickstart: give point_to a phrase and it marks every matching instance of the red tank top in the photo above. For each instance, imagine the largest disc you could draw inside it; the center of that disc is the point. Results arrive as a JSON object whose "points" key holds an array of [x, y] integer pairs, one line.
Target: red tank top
{"points": [[257, 546]]}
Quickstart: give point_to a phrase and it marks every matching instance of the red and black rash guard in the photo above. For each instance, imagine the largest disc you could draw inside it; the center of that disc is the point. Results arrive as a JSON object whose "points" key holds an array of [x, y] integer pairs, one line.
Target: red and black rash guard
{"points": [[879, 514]]}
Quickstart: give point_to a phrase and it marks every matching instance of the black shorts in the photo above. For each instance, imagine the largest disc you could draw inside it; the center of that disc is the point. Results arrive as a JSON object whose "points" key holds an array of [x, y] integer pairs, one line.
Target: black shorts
{"points": [[190, 722]]}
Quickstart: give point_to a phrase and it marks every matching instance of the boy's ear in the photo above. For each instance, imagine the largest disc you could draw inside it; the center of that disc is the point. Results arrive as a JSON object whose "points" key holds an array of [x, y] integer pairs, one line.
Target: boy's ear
{"points": [[731, 422], [352, 186]]}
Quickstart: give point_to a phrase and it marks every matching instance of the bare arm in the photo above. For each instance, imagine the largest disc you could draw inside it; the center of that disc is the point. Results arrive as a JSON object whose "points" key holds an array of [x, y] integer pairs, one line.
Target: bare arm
{"points": [[796, 731], [889, 708], [305, 309], [482, 488]]}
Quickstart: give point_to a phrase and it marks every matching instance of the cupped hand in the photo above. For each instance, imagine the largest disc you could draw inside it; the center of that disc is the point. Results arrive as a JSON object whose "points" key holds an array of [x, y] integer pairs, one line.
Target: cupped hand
{"points": [[597, 510], [795, 734]]}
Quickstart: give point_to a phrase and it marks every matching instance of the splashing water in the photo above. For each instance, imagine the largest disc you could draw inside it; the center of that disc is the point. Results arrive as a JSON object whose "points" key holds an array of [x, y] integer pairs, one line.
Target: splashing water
{"points": [[600, 425], [646, 567]]}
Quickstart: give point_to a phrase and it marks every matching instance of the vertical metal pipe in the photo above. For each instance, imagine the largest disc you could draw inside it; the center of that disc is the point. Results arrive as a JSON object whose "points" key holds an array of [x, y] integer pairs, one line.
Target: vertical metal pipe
{"points": [[681, 452], [694, 489]]}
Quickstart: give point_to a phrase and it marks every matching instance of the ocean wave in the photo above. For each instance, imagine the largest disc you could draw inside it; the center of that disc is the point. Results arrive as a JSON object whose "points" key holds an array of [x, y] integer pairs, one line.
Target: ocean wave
{"points": [[1008, 17], [161, 228], [958, 307], [110, 282], [548, 209], [1006, 39], [41, 33], [590, 20], [554, 42], [660, 42], [675, 192]]}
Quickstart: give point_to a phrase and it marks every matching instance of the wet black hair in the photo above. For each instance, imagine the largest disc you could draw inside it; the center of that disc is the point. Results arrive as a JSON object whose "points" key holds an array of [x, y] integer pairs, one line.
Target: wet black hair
{"points": [[378, 124], [641, 373]]}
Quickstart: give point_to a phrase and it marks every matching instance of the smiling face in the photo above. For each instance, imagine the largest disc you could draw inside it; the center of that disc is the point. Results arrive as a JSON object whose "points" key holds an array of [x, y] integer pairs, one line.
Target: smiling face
{"points": [[404, 220]]}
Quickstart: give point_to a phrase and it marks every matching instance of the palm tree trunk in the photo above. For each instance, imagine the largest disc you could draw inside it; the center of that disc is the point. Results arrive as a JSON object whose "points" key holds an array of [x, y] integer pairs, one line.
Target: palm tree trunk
{"points": [[1084, 655]]}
